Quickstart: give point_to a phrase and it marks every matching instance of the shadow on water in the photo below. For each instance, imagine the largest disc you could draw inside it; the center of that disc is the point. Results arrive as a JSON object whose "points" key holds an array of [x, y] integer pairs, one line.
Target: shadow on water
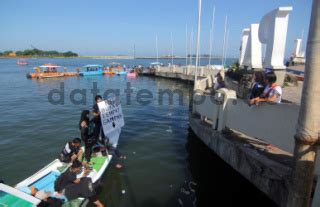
{"points": [[217, 182]]}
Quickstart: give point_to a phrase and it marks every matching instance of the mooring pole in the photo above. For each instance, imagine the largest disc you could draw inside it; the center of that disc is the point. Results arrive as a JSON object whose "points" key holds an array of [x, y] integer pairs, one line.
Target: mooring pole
{"points": [[307, 133]]}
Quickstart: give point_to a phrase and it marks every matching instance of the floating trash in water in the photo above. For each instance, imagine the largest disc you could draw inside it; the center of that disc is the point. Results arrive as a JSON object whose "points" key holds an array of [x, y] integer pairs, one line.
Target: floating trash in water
{"points": [[169, 130], [123, 192], [171, 186], [169, 114], [192, 186], [134, 153], [180, 202], [183, 190]]}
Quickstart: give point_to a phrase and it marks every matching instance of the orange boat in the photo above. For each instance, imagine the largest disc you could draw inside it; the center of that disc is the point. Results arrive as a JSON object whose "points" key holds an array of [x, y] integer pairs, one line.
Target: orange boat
{"points": [[71, 74], [50, 71]]}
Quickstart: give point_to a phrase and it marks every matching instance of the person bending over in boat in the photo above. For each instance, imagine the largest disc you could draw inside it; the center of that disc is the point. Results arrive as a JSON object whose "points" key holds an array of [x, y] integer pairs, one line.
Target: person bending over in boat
{"points": [[85, 189], [72, 187], [72, 151], [70, 176], [86, 134]]}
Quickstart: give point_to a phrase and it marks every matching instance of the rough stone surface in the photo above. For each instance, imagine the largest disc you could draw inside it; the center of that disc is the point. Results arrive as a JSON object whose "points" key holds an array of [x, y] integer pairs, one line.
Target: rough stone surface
{"points": [[267, 167]]}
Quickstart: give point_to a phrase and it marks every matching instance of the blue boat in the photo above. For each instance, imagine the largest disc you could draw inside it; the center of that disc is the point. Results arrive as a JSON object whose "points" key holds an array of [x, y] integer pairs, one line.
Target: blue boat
{"points": [[92, 70], [121, 72]]}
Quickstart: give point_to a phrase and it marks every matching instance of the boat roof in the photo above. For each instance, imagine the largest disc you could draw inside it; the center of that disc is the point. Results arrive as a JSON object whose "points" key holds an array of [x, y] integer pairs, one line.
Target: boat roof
{"points": [[49, 65], [155, 63], [93, 66], [114, 63]]}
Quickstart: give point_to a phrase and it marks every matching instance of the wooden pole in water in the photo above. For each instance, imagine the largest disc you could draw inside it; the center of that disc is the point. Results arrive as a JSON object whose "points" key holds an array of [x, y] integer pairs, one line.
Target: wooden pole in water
{"points": [[307, 133]]}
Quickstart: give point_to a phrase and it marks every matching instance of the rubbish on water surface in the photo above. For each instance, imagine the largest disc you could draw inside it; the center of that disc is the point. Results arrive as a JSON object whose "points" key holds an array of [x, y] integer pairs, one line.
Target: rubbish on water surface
{"points": [[180, 202], [123, 192], [192, 185]]}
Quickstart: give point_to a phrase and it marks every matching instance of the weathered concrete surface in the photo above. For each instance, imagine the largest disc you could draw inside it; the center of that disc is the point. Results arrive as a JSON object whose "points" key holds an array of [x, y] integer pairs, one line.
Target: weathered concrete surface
{"points": [[267, 167], [175, 76]]}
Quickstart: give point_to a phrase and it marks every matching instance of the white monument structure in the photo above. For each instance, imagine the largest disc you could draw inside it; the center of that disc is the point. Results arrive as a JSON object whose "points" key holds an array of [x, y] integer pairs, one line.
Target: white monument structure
{"points": [[252, 55], [244, 43], [272, 31]]}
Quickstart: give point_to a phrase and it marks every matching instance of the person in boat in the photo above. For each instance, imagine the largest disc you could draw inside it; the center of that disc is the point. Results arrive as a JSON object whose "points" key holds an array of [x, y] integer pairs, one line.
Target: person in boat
{"points": [[257, 86], [70, 176], [41, 194], [272, 93], [71, 151], [45, 197], [85, 127], [98, 130]]}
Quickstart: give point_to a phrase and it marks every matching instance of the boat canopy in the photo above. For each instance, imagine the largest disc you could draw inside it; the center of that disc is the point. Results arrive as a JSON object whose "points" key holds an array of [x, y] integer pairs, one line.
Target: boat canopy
{"points": [[93, 66], [155, 63], [49, 65], [114, 63]]}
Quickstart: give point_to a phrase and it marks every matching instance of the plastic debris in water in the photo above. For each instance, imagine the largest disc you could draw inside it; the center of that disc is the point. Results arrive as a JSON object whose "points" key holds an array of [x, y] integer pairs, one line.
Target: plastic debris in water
{"points": [[191, 186], [133, 152], [123, 192], [183, 190], [180, 202], [169, 130]]}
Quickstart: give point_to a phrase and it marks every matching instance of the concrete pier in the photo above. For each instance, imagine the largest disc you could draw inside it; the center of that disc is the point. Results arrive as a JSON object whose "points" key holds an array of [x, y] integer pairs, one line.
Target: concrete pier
{"points": [[269, 169]]}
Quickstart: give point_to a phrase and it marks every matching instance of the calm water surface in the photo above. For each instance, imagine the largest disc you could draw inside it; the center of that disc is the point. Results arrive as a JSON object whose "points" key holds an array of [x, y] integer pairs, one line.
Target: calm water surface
{"points": [[163, 156]]}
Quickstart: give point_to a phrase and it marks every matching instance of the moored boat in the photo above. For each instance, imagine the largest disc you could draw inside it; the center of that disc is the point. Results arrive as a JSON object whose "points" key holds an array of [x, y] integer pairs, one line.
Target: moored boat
{"points": [[132, 74], [46, 71], [13, 197], [92, 70], [45, 178], [22, 62]]}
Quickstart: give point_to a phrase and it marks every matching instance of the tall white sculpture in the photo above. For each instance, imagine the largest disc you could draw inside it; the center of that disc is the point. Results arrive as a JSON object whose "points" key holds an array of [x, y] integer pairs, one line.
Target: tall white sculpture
{"points": [[273, 33], [244, 43], [297, 50], [252, 55]]}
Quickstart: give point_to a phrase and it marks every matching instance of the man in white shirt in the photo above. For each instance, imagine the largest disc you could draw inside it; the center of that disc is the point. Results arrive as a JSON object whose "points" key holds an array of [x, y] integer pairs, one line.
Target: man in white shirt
{"points": [[272, 93]]}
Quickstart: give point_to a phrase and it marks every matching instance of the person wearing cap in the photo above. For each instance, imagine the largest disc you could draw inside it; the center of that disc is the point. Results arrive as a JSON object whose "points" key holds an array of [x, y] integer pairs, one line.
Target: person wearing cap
{"points": [[70, 176], [71, 151]]}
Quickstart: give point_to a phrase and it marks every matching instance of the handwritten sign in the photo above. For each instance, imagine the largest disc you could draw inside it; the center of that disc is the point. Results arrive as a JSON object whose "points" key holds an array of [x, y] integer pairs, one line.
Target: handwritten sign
{"points": [[111, 116]]}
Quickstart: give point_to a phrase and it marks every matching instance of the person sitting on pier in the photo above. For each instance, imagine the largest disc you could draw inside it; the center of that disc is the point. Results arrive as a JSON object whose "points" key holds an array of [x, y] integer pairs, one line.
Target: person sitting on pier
{"points": [[272, 93], [86, 128], [71, 151], [257, 86], [219, 82]]}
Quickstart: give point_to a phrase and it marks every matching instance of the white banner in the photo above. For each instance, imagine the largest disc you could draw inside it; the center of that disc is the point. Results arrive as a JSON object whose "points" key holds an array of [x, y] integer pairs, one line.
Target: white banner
{"points": [[111, 116]]}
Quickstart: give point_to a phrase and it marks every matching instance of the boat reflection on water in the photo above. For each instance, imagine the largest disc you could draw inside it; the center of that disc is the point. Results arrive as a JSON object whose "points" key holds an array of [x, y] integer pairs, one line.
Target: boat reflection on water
{"points": [[217, 182]]}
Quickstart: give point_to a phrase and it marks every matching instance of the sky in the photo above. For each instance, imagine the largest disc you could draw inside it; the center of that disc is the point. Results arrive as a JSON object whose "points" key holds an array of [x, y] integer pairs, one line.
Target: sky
{"points": [[106, 27]]}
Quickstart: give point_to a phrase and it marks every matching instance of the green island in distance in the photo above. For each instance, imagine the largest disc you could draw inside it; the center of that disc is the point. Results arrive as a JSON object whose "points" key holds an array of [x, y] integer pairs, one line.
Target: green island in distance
{"points": [[37, 53]]}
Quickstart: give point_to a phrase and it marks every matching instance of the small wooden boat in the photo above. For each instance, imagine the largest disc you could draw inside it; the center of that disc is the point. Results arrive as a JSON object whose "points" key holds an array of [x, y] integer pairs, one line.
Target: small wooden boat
{"points": [[70, 74], [13, 197], [49, 71], [22, 62], [44, 179], [121, 72], [131, 74], [92, 70]]}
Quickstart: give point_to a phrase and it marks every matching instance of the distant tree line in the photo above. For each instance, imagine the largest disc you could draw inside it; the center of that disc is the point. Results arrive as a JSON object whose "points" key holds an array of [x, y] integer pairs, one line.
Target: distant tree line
{"points": [[38, 53]]}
